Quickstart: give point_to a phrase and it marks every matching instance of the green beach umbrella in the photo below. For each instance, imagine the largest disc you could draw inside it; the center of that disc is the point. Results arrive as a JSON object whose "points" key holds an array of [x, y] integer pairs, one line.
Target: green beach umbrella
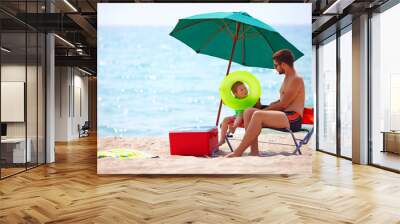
{"points": [[234, 36]]}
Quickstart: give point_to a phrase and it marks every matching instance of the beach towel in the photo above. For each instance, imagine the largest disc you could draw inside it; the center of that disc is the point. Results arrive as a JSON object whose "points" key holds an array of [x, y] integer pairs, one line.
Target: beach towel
{"points": [[124, 153]]}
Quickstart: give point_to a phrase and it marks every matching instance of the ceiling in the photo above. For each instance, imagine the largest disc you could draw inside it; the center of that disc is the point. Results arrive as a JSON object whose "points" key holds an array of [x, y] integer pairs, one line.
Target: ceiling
{"points": [[75, 21]]}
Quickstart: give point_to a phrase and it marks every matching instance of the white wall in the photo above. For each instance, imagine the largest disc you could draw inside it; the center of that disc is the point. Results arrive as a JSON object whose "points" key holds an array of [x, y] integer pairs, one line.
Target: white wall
{"points": [[70, 84], [12, 73], [81, 108], [62, 81]]}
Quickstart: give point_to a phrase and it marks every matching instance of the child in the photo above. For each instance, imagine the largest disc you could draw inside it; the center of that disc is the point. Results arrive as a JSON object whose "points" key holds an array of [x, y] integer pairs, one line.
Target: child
{"points": [[239, 90]]}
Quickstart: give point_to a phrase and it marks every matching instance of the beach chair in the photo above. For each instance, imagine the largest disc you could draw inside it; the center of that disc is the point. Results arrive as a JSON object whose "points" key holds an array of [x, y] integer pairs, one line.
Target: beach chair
{"points": [[307, 128]]}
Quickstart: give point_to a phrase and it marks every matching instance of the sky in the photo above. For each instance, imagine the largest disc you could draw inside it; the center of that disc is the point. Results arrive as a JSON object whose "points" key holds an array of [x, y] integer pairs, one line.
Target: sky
{"points": [[168, 14]]}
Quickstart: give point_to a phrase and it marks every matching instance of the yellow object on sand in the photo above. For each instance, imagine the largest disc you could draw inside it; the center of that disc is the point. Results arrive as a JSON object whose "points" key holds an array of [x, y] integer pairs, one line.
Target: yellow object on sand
{"points": [[123, 153]]}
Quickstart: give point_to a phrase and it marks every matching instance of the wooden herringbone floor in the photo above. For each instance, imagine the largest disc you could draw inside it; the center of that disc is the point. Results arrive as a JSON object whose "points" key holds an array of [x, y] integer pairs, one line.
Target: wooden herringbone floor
{"points": [[70, 191]]}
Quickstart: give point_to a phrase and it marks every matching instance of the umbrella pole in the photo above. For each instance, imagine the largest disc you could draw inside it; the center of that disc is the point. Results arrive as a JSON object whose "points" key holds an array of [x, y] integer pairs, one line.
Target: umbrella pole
{"points": [[229, 67]]}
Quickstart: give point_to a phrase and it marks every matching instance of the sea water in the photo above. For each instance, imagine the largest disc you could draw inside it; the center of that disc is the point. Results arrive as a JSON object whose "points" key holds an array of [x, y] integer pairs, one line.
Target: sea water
{"points": [[150, 83]]}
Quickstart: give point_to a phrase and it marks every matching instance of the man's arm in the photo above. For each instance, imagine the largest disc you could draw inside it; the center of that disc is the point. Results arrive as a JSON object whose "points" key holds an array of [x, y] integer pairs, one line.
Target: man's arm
{"points": [[259, 105], [288, 96], [276, 101]]}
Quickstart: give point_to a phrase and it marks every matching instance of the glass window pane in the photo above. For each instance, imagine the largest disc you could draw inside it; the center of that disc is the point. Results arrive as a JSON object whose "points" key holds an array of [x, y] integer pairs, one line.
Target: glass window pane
{"points": [[41, 98], [327, 96], [32, 87], [345, 94], [314, 86], [13, 86], [23, 89], [385, 84], [31, 96]]}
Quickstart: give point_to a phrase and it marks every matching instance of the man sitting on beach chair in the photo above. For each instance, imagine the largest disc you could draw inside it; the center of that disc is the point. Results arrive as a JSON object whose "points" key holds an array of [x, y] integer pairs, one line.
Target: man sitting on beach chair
{"points": [[285, 113]]}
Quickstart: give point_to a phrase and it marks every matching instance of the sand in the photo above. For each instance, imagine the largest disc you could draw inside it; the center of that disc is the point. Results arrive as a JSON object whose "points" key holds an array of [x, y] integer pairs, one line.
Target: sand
{"points": [[274, 159]]}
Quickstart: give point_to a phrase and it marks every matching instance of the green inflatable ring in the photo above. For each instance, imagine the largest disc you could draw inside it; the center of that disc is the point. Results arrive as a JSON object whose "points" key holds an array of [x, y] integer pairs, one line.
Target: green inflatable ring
{"points": [[252, 83]]}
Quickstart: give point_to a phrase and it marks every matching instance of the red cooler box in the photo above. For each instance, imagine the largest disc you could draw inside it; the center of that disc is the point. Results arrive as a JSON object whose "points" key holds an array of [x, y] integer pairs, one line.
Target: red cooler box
{"points": [[193, 141]]}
